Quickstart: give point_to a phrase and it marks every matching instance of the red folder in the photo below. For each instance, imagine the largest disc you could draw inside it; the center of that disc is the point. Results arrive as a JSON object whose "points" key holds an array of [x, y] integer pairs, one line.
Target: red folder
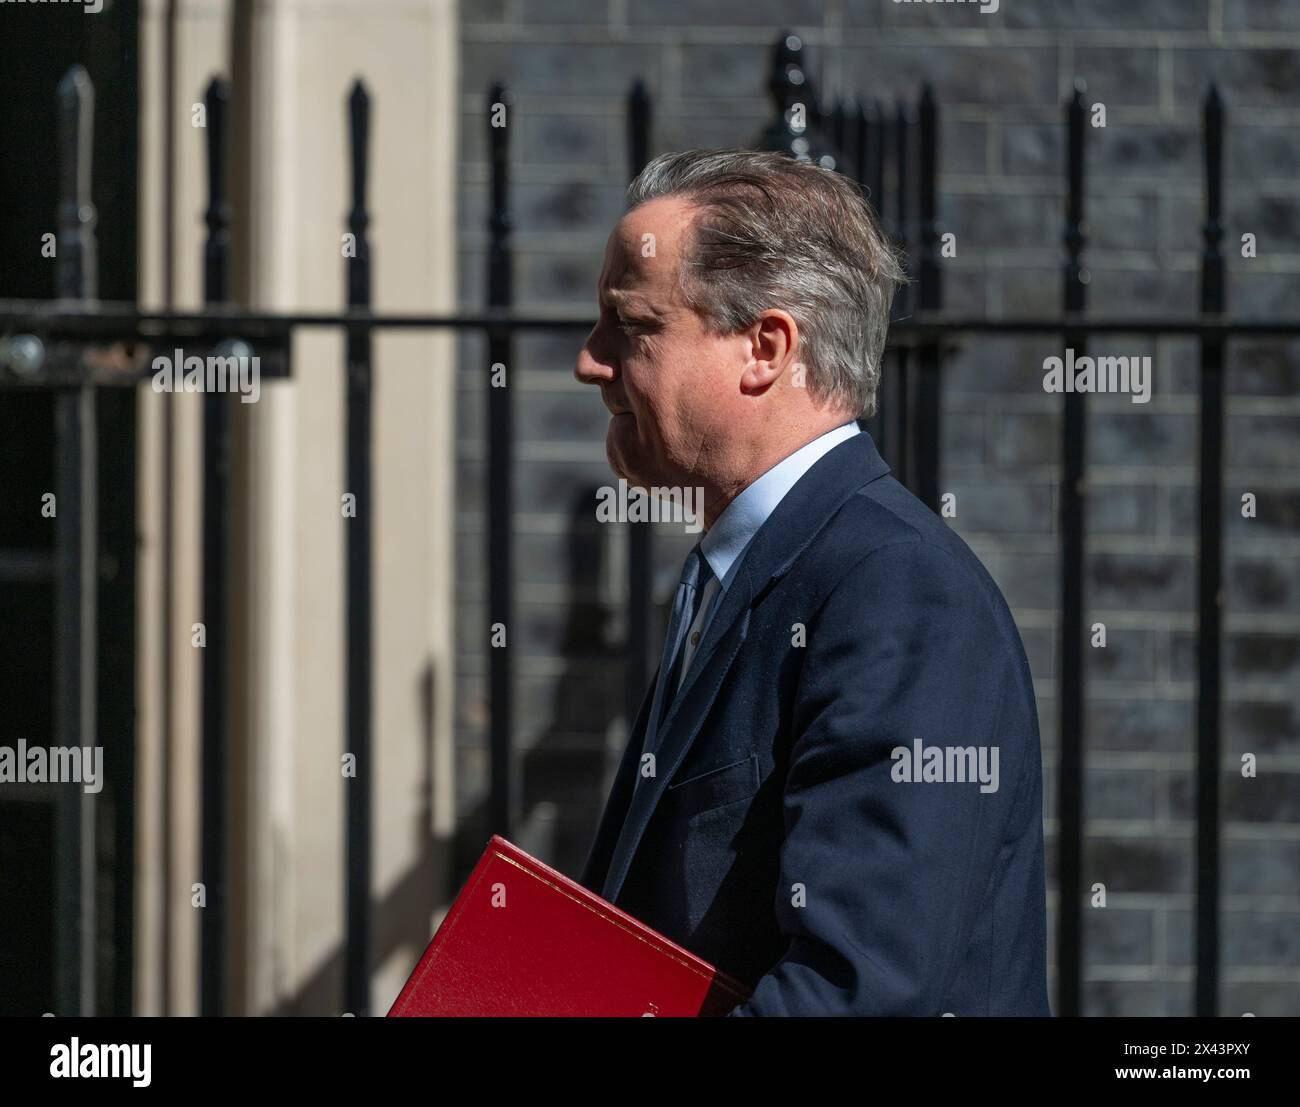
{"points": [[523, 939]]}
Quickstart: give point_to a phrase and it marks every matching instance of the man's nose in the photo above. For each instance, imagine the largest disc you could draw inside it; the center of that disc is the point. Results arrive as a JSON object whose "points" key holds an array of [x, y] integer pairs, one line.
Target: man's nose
{"points": [[591, 369]]}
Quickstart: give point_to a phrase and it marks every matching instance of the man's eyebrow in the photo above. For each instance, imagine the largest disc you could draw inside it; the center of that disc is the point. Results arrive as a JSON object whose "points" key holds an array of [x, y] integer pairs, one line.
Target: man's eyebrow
{"points": [[620, 297]]}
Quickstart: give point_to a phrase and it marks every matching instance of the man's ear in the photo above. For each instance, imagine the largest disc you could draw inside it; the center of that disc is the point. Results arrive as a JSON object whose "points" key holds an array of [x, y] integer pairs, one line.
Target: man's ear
{"points": [[774, 340]]}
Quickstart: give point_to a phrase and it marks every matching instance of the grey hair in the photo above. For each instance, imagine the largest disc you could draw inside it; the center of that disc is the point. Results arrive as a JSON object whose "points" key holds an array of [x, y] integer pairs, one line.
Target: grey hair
{"points": [[773, 232]]}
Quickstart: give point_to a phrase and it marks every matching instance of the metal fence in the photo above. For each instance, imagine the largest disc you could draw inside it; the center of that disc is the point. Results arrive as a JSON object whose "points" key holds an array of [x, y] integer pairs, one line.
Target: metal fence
{"points": [[892, 152]]}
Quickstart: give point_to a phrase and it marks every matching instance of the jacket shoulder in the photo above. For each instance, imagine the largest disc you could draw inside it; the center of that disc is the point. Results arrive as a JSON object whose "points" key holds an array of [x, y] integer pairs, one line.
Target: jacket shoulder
{"points": [[885, 514]]}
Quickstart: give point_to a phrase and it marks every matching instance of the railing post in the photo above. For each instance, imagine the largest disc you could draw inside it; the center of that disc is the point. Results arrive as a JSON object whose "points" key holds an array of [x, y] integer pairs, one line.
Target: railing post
{"points": [[792, 90], [1210, 575], [929, 412], [871, 176], [76, 567], [636, 673], [850, 142], [500, 450], [1073, 503], [76, 269], [216, 748], [836, 122], [905, 450], [874, 157], [216, 247], [358, 547]]}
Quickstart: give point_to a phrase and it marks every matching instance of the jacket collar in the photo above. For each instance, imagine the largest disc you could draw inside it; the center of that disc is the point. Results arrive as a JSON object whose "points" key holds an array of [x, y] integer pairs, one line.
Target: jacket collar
{"points": [[727, 539], [791, 527]]}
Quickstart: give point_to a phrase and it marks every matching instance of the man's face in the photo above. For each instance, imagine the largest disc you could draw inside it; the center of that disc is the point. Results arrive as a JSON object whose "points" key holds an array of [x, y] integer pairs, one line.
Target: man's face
{"points": [[667, 382]]}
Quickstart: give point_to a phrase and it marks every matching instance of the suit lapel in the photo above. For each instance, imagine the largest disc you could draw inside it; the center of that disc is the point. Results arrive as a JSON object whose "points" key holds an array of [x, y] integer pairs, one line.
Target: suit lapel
{"points": [[615, 813], [800, 515]]}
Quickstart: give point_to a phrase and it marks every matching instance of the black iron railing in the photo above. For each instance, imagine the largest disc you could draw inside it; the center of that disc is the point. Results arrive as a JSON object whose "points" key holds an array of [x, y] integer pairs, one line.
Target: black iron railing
{"points": [[890, 154]]}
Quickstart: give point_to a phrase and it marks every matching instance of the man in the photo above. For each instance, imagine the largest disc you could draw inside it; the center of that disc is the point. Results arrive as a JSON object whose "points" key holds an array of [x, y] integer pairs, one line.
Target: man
{"points": [[833, 790]]}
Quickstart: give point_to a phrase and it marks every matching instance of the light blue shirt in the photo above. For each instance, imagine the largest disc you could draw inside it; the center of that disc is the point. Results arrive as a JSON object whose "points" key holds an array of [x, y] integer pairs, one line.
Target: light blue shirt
{"points": [[727, 540]]}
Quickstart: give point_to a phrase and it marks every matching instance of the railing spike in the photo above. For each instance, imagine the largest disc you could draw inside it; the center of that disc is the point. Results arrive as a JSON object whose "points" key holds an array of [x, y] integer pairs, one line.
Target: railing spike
{"points": [[76, 273]]}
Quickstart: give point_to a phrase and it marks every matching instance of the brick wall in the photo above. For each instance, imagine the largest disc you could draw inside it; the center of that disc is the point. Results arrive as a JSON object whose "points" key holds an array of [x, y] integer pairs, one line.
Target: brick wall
{"points": [[1000, 80]]}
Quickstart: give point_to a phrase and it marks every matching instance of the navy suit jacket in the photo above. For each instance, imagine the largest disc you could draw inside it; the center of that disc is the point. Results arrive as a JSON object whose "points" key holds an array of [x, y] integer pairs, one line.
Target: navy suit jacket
{"points": [[773, 839]]}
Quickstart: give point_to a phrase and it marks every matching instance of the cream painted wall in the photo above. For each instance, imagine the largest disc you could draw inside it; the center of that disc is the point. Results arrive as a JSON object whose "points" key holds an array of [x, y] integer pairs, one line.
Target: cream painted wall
{"points": [[167, 760], [302, 60]]}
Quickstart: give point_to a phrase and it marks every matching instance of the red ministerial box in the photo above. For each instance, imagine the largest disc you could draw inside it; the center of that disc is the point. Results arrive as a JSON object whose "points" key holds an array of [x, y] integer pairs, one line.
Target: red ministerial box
{"points": [[523, 939]]}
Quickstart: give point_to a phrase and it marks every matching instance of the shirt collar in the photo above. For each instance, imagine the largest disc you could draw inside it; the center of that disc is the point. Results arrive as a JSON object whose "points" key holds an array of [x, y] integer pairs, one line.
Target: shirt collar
{"points": [[741, 519]]}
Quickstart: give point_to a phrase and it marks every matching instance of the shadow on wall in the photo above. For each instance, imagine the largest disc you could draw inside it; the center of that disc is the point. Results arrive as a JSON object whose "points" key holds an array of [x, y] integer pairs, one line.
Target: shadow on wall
{"points": [[401, 918], [562, 784], [562, 774]]}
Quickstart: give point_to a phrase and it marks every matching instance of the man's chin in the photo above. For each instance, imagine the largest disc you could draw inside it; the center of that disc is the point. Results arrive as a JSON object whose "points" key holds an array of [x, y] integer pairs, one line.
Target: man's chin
{"points": [[623, 456], [621, 469]]}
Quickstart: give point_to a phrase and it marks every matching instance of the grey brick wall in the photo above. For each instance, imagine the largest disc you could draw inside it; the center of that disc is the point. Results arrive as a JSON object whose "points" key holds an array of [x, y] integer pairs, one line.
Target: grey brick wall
{"points": [[1000, 80]]}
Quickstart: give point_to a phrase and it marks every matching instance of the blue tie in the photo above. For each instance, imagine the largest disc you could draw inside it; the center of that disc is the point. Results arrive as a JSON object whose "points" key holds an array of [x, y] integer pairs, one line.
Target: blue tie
{"points": [[684, 611]]}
